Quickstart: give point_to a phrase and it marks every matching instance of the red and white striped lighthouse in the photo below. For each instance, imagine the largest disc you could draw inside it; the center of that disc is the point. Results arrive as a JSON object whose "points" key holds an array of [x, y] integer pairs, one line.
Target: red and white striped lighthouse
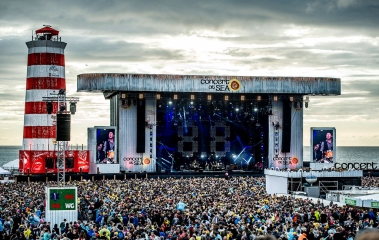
{"points": [[45, 75]]}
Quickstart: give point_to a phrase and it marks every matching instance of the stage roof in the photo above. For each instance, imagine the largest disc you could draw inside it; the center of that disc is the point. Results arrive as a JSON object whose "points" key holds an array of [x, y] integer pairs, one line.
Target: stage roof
{"points": [[114, 82]]}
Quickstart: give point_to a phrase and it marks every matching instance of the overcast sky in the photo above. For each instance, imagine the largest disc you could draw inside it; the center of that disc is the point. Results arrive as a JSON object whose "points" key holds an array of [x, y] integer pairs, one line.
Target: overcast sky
{"points": [[311, 38]]}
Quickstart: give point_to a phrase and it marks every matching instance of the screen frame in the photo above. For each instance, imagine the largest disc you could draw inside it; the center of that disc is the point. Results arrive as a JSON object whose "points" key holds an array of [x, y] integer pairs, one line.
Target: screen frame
{"points": [[107, 128], [312, 143]]}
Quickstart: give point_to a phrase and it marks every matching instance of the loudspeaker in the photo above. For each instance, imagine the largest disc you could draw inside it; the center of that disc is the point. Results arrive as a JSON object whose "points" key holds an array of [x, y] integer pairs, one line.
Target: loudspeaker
{"points": [[141, 126], [63, 127], [286, 137]]}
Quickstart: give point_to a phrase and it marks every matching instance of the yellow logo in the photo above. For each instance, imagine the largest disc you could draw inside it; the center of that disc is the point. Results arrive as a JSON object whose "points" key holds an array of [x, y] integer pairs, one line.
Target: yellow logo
{"points": [[234, 85]]}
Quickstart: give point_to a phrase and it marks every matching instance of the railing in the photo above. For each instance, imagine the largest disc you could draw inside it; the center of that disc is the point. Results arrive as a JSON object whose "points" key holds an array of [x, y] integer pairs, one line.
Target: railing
{"points": [[295, 174]]}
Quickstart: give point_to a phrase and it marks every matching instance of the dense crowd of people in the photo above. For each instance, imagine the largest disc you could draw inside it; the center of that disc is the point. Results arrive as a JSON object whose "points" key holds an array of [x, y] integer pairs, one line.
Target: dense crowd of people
{"points": [[186, 209]]}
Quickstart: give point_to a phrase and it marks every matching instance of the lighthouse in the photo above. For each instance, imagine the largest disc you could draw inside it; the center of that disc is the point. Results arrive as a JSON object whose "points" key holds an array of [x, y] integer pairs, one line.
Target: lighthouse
{"points": [[45, 78], [45, 75]]}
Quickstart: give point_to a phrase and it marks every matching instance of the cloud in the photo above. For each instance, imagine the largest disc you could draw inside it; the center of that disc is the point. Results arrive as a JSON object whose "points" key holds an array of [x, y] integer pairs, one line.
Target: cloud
{"points": [[337, 38]]}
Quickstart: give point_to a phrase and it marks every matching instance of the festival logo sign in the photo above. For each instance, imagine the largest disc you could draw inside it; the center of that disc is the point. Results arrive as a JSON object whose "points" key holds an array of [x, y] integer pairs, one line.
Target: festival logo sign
{"points": [[234, 85], [221, 85], [146, 161], [294, 160], [62, 199]]}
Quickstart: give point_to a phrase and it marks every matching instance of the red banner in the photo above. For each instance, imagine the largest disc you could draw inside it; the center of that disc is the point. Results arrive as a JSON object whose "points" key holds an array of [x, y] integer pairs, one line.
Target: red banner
{"points": [[34, 162]]}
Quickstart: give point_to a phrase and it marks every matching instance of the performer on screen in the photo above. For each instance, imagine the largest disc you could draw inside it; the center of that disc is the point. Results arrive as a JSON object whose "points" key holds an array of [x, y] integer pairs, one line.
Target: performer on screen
{"points": [[109, 147], [317, 154], [100, 155], [326, 148]]}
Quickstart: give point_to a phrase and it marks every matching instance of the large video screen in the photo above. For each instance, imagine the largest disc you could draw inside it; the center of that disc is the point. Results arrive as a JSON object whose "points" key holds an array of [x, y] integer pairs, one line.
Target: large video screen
{"points": [[106, 146], [323, 145]]}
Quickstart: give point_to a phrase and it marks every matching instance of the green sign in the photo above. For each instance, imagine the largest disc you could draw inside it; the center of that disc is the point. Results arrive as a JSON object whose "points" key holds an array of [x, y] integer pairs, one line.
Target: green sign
{"points": [[375, 204], [350, 201], [62, 199]]}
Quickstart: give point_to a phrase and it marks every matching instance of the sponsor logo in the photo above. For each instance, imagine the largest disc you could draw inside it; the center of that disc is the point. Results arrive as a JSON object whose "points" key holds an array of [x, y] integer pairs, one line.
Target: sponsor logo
{"points": [[53, 71], [356, 166], [222, 85], [234, 85], [295, 160], [146, 161]]}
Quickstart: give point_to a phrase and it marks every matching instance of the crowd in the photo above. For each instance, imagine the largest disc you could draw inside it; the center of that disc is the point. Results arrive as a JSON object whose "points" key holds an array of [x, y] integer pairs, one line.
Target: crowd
{"points": [[185, 209]]}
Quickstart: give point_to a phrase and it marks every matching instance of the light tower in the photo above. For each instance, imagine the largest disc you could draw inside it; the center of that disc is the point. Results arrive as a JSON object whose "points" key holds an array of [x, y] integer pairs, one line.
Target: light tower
{"points": [[47, 122], [45, 75]]}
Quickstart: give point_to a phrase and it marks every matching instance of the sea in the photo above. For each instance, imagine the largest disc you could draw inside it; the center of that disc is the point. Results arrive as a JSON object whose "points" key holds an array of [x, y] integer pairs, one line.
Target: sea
{"points": [[342, 154]]}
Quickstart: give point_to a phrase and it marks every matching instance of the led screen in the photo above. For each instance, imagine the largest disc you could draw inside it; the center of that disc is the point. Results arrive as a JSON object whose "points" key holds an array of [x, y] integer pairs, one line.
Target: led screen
{"points": [[106, 146], [323, 145]]}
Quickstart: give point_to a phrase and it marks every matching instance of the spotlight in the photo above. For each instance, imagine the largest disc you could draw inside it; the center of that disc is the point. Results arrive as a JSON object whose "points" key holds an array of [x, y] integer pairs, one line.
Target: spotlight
{"points": [[72, 107], [62, 108], [169, 102], [62, 91]]}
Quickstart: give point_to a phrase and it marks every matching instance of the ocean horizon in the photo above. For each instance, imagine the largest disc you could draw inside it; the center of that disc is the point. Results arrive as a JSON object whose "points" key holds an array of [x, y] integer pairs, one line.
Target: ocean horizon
{"points": [[342, 154]]}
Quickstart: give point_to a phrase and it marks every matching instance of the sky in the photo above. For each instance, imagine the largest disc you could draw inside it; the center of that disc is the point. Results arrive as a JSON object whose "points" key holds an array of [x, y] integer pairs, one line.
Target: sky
{"points": [[304, 38]]}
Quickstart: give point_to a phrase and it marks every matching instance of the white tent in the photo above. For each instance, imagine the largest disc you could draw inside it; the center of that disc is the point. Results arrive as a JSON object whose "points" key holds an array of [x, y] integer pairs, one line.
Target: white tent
{"points": [[12, 164], [3, 171], [374, 197]]}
